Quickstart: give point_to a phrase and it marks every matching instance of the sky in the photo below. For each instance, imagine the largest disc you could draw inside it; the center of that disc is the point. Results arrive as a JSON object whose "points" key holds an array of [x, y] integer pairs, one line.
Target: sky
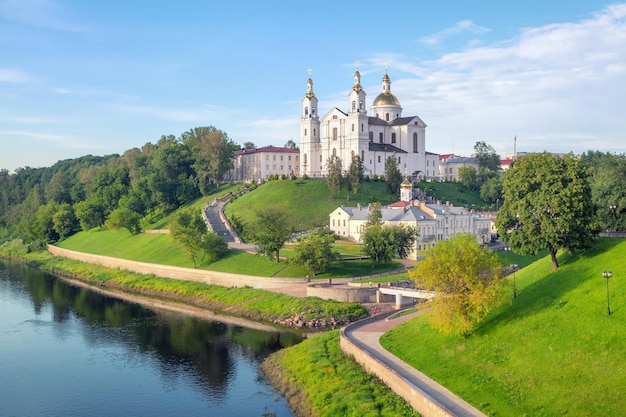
{"points": [[102, 77]]}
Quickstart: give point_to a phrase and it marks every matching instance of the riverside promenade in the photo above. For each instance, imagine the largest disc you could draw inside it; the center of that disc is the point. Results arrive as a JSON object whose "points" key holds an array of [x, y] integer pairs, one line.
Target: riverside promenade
{"points": [[427, 397]]}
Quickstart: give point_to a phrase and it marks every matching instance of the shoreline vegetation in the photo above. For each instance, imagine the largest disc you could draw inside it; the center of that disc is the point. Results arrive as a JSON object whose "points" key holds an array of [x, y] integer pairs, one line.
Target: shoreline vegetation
{"points": [[315, 376]]}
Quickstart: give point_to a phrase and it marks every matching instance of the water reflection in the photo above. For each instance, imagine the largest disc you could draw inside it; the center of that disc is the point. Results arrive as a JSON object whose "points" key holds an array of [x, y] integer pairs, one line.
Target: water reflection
{"points": [[183, 347]]}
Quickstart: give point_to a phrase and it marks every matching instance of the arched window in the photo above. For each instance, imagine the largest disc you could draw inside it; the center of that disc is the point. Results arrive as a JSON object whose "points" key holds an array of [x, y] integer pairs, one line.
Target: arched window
{"points": [[353, 127], [415, 148], [371, 136], [354, 106], [314, 132], [380, 137], [363, 156], [334, 133], [304, 159], [387, 117], [335, 152], [306, 111], [362, 127], [305, 131]]}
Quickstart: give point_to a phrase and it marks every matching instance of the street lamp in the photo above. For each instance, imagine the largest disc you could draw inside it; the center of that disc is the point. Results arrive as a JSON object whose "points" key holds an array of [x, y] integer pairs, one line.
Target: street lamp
{"points": [[514, 267], [607, 275]]}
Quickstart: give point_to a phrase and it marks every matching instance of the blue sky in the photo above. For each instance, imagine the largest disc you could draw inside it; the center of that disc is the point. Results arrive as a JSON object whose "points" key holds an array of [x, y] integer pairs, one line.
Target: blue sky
{"points": [[87, 77]]}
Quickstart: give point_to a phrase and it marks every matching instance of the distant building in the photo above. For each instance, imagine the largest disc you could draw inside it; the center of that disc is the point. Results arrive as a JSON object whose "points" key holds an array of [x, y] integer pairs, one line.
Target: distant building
{"points": [[434, 222], [450, 165], [259, 163], [373, 138]]}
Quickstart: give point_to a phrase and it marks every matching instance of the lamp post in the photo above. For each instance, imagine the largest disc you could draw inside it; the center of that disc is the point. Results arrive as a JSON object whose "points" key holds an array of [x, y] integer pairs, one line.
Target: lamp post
{"points": [[514, 267], [607, 275]]}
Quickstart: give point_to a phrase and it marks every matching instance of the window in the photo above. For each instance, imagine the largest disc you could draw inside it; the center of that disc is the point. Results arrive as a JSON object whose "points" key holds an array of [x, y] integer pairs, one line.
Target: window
{"points": [[306, 111], [353, 105], [362, 155], [281, 157], [344, 222], [398, 160], [305, 158], [334, 151], [305, 131], [362, 127], [334, 133], [380, 137], [393, 138], [333, 222], [387, 117], [314, 132], [353, 127], [361, 104], [415, 148], [379, 159], [274, 157], [371, 136], [320, 158], [289, 157]]}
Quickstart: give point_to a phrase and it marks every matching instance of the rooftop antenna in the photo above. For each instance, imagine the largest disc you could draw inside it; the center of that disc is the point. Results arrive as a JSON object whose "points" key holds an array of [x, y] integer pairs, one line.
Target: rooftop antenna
{"points": [[515, 147]]}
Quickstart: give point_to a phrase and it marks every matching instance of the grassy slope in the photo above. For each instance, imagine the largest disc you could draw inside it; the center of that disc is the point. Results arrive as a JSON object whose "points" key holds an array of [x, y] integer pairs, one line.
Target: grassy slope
{"points": [[456, 193], [308, 202], [552, 351]]}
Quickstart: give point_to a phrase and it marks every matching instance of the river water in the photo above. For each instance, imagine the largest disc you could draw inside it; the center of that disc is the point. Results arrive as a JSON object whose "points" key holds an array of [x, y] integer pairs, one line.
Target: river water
{"points": [[67, 351]]}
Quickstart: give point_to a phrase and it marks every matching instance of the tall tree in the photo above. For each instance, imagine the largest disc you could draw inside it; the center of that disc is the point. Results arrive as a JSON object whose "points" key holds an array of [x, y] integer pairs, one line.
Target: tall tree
{"points": [[291, 144], [393, 177], [191, 232], [467, 279], [547, 205], [334, 177], [468, 177], [271, 231], [608, 189], [355, 174], [315, 253], [404, 237], [487, 156]]}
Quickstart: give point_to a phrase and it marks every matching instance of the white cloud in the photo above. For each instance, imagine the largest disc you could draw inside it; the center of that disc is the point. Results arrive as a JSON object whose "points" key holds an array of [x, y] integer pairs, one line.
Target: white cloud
{"points": [[8, 75], [460, 27], [559, 87], [46, 14]]}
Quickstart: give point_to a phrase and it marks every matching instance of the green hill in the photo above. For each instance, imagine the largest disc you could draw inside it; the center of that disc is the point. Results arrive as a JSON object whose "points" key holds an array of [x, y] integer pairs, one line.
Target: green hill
{"points": [[551, 351], [308, 202], [455, 193]]}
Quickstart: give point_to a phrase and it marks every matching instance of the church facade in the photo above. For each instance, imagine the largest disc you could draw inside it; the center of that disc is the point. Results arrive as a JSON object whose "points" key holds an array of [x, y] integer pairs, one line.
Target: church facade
{"points": [[374, 138]]}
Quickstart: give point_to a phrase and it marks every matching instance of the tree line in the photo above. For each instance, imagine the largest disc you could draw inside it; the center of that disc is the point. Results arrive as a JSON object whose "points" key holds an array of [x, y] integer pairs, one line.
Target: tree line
{"points": [[44, 205]]}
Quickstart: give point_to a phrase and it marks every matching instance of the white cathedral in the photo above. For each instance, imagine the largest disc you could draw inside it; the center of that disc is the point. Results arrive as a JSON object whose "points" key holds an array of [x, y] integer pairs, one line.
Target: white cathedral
{"points": [[373, 138]]}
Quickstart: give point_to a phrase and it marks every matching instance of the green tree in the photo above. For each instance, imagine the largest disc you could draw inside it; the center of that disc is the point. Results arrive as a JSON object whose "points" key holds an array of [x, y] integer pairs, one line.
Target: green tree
{"points": [[403, 236], [271, 231], [491, 190], [333, 174], [124, 218], [547, 205], [64, 221], [487, 156], [291, 144], [315, 253], [467, 279], [355, 174], [608, 189], [469, 177], [378, 244], [190, 231], [249, 145], [393, 177]]}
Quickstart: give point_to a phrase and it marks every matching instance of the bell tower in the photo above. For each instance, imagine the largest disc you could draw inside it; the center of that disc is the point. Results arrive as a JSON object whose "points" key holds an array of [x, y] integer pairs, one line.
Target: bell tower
{"points": [[309, 130]]}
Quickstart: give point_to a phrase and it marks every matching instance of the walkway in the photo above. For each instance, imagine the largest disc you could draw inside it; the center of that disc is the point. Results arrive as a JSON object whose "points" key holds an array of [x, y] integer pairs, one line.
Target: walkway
{"points": [[366, 336]]}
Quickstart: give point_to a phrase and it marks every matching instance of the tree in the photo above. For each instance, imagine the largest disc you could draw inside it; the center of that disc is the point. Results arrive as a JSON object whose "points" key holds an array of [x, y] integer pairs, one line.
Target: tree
{"points": [[291, 144], [64, 221], [467, 279], [378, 244], [487, 156], [249, 145], [468, 177], [491, 190], [393, 177], [547, 205], [333, 178], [404, 237], [191, 232], [355, 174], [608, 189], [315, 253], [271, 231], [125, 218]]}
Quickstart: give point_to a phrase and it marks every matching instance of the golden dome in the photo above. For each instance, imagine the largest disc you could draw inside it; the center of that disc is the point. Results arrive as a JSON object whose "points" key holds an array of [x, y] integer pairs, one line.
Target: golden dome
{"points": [[386, 99]]}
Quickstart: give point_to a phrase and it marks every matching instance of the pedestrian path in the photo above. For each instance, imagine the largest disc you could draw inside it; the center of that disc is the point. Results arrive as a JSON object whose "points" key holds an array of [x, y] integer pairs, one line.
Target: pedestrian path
{"points": [[367, 338]]}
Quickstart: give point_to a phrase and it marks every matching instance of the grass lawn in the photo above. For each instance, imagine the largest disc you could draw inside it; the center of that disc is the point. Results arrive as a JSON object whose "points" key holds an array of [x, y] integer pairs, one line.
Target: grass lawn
{"points": [[308, 201], [454, 192], [162, 249], [551, 351]]}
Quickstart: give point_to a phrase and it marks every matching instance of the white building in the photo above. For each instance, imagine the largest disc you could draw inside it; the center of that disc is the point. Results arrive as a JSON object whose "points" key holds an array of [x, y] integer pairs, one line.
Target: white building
{"points": [[433, 222], [259, 163], [373, 138], [450, 166]]}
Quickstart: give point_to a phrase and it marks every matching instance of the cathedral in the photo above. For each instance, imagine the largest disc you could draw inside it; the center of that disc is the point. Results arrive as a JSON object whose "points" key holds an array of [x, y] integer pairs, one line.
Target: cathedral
{"points": [[373, 138]]}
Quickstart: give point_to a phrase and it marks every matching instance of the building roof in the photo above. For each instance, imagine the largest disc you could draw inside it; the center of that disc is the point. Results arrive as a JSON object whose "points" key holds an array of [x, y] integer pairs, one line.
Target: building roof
{"points": [[385, 147], [389, 214], [270, 148]]}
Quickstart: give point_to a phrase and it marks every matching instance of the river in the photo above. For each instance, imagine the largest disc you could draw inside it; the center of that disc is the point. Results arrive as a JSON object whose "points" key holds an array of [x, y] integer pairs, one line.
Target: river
{"points": [[68, 351]]}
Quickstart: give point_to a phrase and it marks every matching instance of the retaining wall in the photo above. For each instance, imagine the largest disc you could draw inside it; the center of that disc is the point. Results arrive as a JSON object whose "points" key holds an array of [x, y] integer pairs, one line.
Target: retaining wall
{"points": [[420, 401], [186, 274], [345, 294]]}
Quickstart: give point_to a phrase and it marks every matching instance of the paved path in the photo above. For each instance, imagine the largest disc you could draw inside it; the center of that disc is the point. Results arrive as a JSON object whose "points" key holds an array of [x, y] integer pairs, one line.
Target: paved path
{"points": [[367, 337]]}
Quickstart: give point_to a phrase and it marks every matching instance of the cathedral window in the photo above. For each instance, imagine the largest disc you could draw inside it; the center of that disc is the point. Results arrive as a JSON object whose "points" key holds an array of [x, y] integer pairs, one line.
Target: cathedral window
{"points": [[313, 110], [361, 104], [334, 133], [362, 127], [305, 132], [415, 148], [379, 159], [353, 105], [393, 138], [353, 127], [387, 117], [306, 111], [362, 155], [371, 136], [380, 137], [334, 152], [314, 132]]}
